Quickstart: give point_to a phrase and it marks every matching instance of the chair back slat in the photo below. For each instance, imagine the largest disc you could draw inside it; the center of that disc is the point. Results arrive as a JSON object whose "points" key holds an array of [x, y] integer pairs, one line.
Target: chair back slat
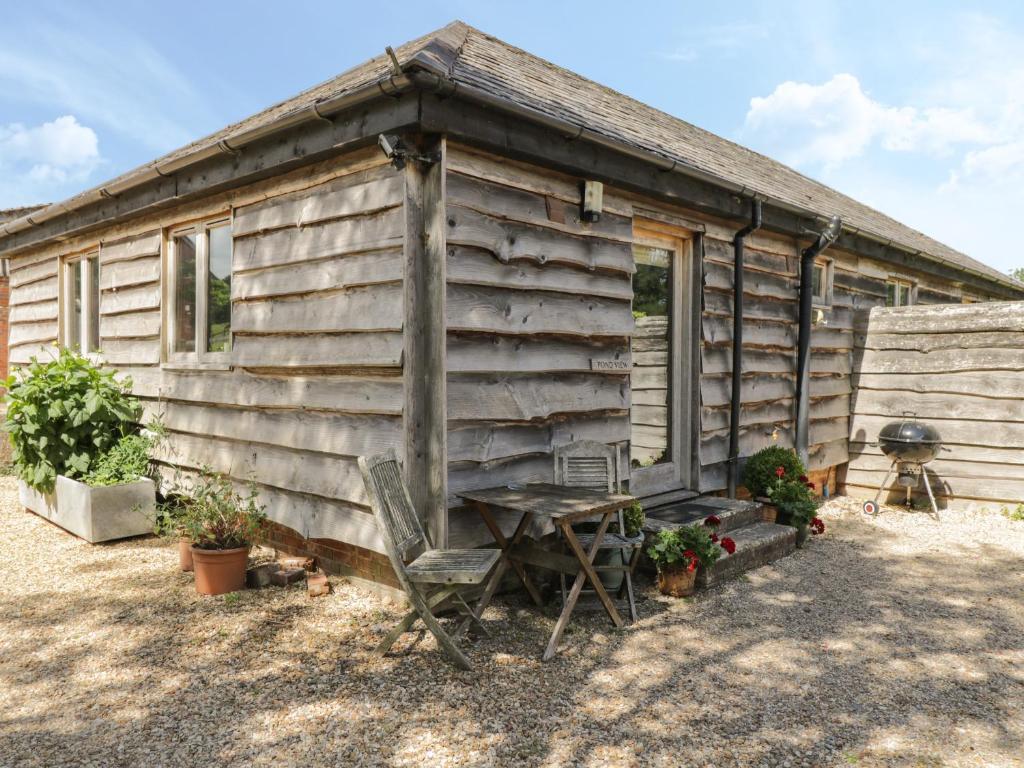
{"points": [[392, 505], [587, 464]]}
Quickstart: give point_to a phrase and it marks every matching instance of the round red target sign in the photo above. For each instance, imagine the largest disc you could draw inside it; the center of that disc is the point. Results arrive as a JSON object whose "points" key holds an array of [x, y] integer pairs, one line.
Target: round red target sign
{"points": [[870, 507]]}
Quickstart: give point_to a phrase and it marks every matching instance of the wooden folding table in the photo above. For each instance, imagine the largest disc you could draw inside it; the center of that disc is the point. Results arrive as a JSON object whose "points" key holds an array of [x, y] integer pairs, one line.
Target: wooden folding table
{"points": [[562, 506]]}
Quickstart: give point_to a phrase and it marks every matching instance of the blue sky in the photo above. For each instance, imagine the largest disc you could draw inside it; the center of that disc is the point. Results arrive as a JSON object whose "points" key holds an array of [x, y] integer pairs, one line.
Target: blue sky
{"points": [[915, 108]]}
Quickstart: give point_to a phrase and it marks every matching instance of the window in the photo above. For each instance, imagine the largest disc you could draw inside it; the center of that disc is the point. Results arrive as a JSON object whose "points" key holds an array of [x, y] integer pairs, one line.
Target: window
{"points": [[821, 282], [80, 302], [899, 293], [199, 293]]}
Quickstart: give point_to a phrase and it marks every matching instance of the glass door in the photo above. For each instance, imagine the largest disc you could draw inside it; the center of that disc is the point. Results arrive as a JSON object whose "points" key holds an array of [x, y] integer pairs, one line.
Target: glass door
{"points": [[660, 381]]}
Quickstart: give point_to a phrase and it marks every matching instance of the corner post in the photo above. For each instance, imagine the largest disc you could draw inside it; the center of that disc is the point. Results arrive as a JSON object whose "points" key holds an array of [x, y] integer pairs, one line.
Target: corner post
{"points": [[424, 368]]}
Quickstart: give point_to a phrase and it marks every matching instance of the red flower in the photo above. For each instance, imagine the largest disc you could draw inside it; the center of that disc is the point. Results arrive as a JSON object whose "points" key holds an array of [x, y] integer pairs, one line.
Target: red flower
{"points": [[712, 520], [692, 566], [804, 479], [780, 471], [714, 538], [817, 525], [811, 486], [728, 545]]}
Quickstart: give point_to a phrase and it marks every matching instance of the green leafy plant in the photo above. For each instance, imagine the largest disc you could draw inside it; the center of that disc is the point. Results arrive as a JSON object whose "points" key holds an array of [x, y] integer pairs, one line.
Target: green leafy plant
{"points": [[759, 471], [64, 413], [685, 547], [792, 495], [215, 516], [1016, 514], [126, 462], [633, 517]]}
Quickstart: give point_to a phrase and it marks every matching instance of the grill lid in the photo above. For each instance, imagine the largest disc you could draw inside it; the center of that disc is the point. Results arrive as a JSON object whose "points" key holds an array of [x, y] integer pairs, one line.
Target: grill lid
{"points": [[910, 432]]}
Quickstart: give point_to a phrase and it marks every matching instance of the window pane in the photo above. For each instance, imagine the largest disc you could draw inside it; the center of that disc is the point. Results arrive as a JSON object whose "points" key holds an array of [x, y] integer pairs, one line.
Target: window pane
{"points": [[74, 330], [93, 327], [650, 381], [218, 313], [890, 294], [185, 293], [817, 281], [904, 295]]}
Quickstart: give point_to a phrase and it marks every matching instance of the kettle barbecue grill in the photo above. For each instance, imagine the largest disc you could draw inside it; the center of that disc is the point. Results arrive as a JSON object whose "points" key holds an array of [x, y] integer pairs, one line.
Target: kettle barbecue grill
{"points": [[909, 445]]}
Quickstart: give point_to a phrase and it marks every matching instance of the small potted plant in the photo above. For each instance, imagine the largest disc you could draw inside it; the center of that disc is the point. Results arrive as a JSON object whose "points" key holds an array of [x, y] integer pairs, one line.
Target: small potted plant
{"points": [[222, 525], [792, 496], [678, 553], [759, 473]]}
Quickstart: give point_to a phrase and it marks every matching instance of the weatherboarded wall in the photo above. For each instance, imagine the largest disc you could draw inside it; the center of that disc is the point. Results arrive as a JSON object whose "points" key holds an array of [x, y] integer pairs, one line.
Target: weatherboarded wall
{"points": [[959, 368], [317, 315]]}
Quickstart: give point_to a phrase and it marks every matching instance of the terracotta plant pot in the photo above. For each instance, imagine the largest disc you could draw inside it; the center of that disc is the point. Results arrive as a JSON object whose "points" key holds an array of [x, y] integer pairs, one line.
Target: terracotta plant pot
{"points": [[676, 581], [185, 554], [769, 513], [219, 571], [802, 532]]}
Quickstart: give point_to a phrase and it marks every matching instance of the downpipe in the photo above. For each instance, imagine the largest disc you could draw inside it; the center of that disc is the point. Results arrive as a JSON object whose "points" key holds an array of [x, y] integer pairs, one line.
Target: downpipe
{"points": [[737, 344], [824, 239]]}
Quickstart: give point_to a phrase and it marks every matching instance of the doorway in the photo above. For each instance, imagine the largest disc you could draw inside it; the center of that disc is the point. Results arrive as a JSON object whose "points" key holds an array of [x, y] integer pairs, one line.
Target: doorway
{"points": [[663, 378]]}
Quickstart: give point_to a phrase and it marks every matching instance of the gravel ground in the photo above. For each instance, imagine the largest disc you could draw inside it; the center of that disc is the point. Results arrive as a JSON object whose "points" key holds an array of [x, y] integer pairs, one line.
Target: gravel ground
{"points": [[895, 640]]}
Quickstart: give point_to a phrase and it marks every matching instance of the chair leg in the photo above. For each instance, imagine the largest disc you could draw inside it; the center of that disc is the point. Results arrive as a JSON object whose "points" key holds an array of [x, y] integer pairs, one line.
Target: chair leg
{"points": [[448, 645], [408, 620], [469, 617]]}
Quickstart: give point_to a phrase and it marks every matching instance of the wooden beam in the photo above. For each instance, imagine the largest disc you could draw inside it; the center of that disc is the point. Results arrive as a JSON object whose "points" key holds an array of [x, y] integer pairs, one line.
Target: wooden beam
{"points": [[424, 370]]}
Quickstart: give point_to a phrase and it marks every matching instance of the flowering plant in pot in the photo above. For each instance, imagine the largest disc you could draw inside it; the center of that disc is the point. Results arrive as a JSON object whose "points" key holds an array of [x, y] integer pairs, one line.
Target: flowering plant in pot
{"points": [[792, 496], [677, 554], [222, 525]]}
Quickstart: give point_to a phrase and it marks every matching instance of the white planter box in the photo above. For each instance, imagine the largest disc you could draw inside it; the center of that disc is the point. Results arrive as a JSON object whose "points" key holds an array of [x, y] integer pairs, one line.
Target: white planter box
{"points": [[96, 514]]}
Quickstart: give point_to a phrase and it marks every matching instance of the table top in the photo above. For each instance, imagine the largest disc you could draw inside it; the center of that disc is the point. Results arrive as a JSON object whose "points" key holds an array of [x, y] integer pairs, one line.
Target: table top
{"points": [[548, 500]]}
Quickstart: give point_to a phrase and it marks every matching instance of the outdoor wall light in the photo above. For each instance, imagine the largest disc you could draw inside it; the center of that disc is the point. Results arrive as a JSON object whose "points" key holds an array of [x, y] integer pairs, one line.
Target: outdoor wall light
{"points": [[593, 201]]}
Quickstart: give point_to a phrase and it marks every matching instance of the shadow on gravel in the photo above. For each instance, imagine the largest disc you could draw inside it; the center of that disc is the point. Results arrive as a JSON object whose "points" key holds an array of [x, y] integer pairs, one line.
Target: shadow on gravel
{"points": [[841, 654]]}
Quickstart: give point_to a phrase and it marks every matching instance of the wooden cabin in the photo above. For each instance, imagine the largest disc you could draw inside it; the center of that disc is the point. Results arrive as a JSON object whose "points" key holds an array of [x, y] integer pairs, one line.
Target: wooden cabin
{"points": [[527, 258]]}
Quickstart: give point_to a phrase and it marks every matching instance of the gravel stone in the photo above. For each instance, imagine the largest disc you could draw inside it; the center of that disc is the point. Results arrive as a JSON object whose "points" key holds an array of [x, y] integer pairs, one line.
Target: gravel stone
{"points": [[895, 640]]}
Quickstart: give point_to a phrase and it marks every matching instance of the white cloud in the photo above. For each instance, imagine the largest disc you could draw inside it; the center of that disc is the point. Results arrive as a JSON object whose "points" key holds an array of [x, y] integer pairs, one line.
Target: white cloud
{"points": [[836, 121], [36, 162]]}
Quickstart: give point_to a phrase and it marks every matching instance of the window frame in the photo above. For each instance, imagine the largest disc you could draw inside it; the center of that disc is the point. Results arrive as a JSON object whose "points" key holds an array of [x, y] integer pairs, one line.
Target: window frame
{"points": [[200, 358], [828, 273], [68, 264], [901, 282]]}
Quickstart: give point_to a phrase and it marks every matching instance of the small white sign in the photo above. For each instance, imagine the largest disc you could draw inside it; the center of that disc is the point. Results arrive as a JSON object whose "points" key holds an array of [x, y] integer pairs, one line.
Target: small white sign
{"points": [[610, 365]]}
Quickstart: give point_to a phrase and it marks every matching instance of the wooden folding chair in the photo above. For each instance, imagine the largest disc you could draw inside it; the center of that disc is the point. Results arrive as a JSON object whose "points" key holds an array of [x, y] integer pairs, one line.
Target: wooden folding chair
{"points": [[430, 577], [589, 464]]}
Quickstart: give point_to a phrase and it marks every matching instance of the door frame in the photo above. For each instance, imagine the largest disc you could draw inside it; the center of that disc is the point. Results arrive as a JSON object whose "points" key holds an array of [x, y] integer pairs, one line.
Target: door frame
{"points": [[682, 470]]}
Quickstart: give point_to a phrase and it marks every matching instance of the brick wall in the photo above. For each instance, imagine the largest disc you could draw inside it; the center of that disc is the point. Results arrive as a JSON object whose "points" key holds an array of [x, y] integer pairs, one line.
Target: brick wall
{"points": [[335, 557]]}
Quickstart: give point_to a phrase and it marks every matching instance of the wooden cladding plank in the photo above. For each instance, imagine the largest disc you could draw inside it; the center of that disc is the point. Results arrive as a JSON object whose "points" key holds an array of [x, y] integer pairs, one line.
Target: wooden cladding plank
{"points": [[122, 274], [29, 313], [774, 412], [293, 470], [489, 353], [510, 241], [371, 308], [1009, 490], [960, 462], [715, 448], [480, 309], [30, 273], [319, 391], [717, 390], [326, 350], [130, 325], [336, 272], [994, 384], [864, 428], [940, 405], [28, 333], [525, 397], [130, 351], [719, 302], [762, 333], [41, 290], [338, 434], [378, 231], [859, 446], [937, 342], [22, 354], [487, 442], [514, 203], [719, 360], [755, 283], [828, 454], [940, 361], [477, 267], [753, 259], [948, 319], [857, 282], [135, 299], [367, 191], [147, 244]]}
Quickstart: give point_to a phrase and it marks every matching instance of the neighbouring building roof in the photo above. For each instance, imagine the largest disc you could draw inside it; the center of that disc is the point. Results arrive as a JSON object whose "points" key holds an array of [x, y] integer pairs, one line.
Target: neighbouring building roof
{"points": [[468, 57], [9, 214]]}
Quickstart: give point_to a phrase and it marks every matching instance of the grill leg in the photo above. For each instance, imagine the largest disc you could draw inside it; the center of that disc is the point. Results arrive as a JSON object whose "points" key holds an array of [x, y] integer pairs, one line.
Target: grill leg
{"points": [[885, 483], [931, 496]]}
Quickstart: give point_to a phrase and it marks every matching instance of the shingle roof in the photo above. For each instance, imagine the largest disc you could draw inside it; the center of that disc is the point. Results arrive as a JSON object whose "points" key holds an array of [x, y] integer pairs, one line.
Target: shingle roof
{"points": [[7, 214], [466, 56]]}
